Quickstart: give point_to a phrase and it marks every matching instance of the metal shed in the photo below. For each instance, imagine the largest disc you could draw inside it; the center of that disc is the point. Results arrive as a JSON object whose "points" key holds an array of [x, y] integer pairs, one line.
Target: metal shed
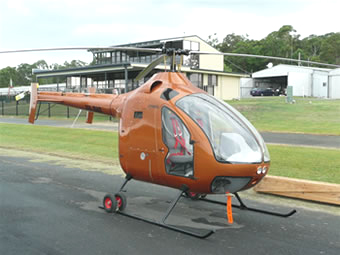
{"points": [[334, 83], [306, 81]]}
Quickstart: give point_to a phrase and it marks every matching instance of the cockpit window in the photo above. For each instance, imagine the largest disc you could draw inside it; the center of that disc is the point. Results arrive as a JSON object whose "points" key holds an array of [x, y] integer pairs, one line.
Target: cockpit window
{"points": [[232, 137], [179, 160]]}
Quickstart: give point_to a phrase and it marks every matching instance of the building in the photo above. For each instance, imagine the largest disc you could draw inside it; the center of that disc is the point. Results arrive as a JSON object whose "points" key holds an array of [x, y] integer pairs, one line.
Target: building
{"points": [[115, 70], [306, 81], [334, 83]]}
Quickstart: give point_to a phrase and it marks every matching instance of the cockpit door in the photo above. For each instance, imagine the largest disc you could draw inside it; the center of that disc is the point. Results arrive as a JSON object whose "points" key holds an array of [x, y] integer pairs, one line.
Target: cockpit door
{"points": [[178, 153]]}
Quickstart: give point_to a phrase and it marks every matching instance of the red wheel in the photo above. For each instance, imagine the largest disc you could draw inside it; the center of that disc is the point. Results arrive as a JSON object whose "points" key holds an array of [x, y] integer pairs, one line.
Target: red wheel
{"points": [[193, 195], [121, 201], [109, 203]]}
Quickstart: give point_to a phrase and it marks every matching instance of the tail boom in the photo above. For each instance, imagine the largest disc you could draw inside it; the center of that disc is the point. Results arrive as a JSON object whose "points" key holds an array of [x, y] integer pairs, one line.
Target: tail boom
{"points": [[101, 103]]}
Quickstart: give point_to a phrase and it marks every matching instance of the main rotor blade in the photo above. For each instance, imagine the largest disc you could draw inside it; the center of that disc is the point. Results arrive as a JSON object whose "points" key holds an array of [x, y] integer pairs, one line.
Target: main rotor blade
{"points": [[104, 48], [149, 68], [262, 56]]}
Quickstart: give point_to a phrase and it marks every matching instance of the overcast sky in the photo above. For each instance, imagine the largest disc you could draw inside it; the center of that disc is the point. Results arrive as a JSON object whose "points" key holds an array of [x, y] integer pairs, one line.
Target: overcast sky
{"points": [[57, 23]]}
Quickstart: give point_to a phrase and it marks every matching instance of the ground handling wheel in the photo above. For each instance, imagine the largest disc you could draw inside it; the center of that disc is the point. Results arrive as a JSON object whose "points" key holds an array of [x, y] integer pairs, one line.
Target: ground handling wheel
{"points": [[121, 201], [193, 195], [109, 203]]}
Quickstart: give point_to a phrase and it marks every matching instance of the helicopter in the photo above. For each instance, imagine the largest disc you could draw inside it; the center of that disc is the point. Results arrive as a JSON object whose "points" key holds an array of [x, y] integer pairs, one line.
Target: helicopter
{"points": [[173, 134]]}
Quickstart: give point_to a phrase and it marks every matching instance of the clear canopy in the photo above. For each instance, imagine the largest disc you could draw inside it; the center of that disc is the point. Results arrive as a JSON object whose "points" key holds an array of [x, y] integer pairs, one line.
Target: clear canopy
{"points": [[232, 137]]}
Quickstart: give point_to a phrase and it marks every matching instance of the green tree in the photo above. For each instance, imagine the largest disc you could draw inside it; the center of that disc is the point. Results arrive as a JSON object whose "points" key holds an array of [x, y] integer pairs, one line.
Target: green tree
{"points": [[229, 42], [281, 43], [6, 74], [330, 48], [24, 74], [312, 45], [212, 40]]}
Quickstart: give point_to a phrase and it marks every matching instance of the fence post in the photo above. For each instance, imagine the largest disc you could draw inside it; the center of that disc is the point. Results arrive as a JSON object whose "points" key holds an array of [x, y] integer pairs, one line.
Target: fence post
{"points": [[68, 112], [49, 110], [2, 107], [16, 108]]}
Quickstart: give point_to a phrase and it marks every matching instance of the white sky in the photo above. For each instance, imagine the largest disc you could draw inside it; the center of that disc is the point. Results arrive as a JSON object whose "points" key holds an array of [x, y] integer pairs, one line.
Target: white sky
{"points": [[57, 23]]}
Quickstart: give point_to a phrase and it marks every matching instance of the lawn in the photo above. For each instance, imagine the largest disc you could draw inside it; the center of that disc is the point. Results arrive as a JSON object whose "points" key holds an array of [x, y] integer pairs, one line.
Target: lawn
{"points": [[307, 115], [77, 143], [297, 162], [305, 163], [53, 111]]}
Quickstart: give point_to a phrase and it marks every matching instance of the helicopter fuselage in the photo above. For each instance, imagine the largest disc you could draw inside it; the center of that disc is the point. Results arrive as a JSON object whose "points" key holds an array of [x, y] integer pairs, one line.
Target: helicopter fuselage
{"points": [[173, 134]]}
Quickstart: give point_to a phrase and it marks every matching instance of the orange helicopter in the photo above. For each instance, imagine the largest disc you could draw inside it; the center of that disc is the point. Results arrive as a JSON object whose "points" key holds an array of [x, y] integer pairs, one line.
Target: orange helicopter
{"points": [[174, 134]]}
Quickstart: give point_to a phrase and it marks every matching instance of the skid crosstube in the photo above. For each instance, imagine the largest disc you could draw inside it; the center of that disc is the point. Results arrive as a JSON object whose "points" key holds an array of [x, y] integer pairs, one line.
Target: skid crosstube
{"points": [[242, 206]]}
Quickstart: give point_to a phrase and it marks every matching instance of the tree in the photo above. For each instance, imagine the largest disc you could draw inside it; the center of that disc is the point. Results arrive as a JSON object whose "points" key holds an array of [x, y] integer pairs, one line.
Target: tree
{"points": [[281, 43], [330, 49], [24, 74], [6, 74], [212, 40], [229, 42], [73, 63], [312, 45]]}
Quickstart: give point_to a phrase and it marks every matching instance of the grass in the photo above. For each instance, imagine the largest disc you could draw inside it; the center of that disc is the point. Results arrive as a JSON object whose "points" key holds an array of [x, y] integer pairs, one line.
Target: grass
{"points": [[78, 143], [307, 115], [57, 111], [305, 163], [297, 162]]}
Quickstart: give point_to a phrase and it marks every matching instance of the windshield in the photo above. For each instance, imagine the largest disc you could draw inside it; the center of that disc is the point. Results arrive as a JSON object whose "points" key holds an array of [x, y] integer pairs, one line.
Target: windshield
{"points": [[232, 137]]}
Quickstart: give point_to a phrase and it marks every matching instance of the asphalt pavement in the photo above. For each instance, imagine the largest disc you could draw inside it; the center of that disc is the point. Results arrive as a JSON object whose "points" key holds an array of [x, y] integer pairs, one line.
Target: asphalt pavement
{"points": [[49, 205], [326, 141]]}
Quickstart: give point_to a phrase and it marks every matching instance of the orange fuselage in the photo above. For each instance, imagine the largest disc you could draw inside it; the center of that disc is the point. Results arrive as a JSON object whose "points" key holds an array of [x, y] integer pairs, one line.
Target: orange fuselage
{"points": [[144, 150]]}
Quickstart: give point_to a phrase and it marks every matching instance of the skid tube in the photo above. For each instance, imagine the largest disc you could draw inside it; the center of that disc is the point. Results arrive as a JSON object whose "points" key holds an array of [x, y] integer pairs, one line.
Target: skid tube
{"points": [[162, 223], [242, 206]]}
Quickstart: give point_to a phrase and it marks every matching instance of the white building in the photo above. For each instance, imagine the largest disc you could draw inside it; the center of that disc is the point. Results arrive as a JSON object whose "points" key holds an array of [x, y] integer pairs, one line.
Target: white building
{"points": [[306, 81], [334, 83]]}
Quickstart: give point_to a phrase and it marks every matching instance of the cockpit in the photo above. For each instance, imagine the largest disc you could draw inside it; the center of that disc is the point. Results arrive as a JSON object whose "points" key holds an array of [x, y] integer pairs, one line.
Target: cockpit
{"points": [[232, 137]]}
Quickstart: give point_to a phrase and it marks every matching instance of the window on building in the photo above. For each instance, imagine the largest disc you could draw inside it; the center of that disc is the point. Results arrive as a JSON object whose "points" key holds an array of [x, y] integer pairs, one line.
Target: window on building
{"points": [[192, 60], [212, 79], [118, 57], [113, 57], [196, 79], [123, 56]]}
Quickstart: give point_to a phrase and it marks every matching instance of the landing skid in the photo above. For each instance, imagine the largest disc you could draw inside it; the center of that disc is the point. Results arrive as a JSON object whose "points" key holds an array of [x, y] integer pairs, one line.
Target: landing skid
{"points": [[117, 203], [242, 206], [172, 227], [162, 223]]}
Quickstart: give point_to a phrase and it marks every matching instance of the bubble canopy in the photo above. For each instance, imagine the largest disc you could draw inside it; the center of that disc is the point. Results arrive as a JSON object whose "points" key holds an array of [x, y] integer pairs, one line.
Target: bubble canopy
{"points": [[232, 137]]}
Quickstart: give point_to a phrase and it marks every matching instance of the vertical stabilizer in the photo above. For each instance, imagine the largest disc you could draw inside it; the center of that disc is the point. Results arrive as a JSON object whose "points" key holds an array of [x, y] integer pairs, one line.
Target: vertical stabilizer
{"points": [[90, 114], [33, 102]]}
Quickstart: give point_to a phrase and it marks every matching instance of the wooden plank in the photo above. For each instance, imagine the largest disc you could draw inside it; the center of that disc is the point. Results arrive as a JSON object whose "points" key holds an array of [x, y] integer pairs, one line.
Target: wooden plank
{"points": [[302, 189]]}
